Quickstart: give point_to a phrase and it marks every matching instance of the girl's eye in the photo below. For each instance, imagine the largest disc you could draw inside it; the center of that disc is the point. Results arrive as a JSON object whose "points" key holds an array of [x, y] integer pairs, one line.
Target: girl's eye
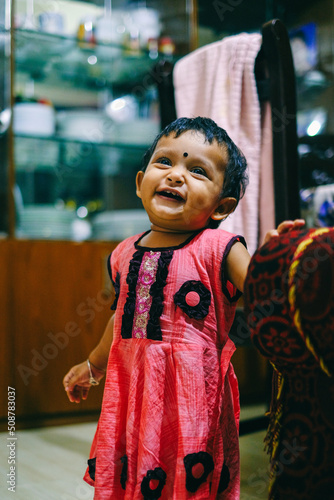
{"points": [[199, 171], [164, 161]]}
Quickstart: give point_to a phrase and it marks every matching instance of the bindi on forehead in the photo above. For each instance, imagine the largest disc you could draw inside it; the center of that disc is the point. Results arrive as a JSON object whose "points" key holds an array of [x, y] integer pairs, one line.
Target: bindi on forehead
{"points": [[185, 154]]}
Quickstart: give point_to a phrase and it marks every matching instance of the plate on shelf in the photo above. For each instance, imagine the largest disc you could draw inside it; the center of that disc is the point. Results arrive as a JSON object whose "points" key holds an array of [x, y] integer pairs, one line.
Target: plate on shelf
{"points": [[34, 118]]}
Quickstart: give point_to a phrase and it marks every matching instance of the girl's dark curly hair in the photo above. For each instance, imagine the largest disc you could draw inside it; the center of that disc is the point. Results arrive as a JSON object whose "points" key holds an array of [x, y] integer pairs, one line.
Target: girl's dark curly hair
{"points": [[235, 175]]}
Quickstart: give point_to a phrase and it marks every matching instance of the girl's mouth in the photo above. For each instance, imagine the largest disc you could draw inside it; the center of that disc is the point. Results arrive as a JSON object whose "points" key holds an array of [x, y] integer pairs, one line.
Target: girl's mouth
{"points": [[173, 195]]}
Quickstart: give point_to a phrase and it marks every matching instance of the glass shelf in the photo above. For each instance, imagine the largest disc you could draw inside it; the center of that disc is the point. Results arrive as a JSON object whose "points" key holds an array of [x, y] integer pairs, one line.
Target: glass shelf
{"points": [[76, 190], [85, 110], [85, 172], [89, 165], [130, 146], [68, 161], [82, 63]]}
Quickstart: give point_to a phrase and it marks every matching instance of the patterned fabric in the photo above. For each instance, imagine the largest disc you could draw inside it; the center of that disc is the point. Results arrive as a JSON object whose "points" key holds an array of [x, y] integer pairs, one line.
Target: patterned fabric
{"points": [[169, 422], [146, 277], [289, 305]]}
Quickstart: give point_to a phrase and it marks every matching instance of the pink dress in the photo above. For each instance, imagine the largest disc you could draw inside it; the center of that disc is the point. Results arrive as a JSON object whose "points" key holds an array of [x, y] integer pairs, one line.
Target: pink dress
{"points": [[170, 415]]}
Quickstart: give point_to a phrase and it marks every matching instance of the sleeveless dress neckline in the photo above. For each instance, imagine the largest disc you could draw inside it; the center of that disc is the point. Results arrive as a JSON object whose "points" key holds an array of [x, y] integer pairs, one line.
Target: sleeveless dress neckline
{"points": [[161, 249]]}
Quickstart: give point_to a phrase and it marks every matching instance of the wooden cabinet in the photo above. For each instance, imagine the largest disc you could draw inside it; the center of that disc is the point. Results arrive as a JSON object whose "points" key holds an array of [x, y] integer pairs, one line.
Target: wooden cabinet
{"points": [[55, 303], [6, 328]]}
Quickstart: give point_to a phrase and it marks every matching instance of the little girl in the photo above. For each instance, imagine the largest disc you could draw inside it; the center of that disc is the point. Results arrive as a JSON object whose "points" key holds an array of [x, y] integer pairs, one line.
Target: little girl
{"points": [[169, 421]]}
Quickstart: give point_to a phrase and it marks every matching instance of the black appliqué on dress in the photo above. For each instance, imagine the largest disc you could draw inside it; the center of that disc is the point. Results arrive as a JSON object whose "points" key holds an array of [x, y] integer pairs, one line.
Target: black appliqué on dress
{"points": [[202, 457], [156, 474], [194, 299], [124, 473], [116, 285], [153, 326], [224, 479], [130, 304], [91, 468]]}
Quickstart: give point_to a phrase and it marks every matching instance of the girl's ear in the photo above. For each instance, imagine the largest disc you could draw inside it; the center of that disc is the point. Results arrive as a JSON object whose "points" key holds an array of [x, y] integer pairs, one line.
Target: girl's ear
{"points": [[139, 179], [226, 207]]}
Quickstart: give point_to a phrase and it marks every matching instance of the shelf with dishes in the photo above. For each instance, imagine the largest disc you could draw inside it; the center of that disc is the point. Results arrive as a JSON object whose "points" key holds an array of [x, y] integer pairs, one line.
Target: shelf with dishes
{"points": [[85, 110], [75, 178], [56, 222], [89, 128], [72, 189], [85, 63]]}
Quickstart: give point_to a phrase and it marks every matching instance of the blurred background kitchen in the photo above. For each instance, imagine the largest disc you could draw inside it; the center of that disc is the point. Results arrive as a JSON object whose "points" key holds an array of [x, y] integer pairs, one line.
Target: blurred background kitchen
{"points": [[79, 105]]}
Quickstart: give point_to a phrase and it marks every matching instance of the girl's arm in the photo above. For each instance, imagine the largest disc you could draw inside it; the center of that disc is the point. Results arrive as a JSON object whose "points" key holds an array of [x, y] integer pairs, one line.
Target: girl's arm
{"points": [[238, 259], [237, 263], [76, 381]]}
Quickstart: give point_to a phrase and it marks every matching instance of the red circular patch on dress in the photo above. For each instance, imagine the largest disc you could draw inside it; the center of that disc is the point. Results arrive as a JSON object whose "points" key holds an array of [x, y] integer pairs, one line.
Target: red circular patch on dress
{"points": [[154, 483], [197, 470], [192, 299]]}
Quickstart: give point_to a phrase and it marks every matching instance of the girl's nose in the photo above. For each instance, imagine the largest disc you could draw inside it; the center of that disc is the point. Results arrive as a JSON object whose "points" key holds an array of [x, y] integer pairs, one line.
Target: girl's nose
{"points": [[175, 175]]}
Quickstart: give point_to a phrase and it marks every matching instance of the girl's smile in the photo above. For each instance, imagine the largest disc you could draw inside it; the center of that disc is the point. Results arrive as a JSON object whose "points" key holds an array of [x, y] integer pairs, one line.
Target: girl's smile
{"points": [[182, 191], [171, 194]]}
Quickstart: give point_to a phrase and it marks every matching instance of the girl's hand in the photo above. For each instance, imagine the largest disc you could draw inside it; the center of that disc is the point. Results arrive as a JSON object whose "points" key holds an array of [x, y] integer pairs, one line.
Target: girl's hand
{"points": [[284, 227], [76, 381]]}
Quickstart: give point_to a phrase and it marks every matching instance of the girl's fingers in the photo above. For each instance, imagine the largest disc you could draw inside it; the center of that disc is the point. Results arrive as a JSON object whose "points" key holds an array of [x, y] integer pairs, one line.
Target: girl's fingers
{"points": [[269, 235], [85, 393], [289, 225], [284, 227]]}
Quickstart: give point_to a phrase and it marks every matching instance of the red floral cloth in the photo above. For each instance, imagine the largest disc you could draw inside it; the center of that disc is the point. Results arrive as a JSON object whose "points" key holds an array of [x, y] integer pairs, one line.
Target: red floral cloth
{"points": [[289, 305], [169, 422]]}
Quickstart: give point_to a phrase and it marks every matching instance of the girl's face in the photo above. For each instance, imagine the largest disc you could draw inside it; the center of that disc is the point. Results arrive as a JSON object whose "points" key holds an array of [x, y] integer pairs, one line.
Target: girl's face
{"points": [[180, 189]]}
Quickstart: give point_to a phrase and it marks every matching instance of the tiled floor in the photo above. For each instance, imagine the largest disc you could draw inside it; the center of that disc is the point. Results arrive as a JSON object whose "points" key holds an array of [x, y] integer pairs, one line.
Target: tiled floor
{"points": [[50, 463]]}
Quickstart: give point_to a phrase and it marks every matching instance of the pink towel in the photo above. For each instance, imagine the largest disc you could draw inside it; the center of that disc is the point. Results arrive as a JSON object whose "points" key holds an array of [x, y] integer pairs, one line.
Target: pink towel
{"points": [[218, 81]]}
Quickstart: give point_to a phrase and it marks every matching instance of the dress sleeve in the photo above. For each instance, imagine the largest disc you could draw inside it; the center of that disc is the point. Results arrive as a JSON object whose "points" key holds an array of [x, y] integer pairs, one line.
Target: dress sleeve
{"points": [[229, 290]]}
